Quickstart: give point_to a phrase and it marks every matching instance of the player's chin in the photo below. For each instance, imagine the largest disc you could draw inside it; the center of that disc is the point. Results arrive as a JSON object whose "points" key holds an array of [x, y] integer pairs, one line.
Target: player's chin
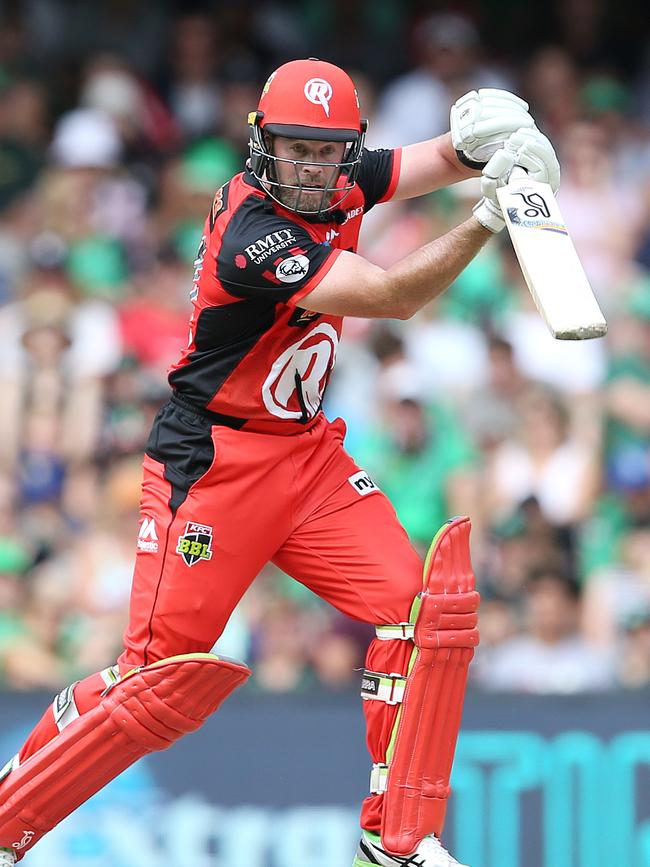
{"points": [[313, 201], [305, 201]]}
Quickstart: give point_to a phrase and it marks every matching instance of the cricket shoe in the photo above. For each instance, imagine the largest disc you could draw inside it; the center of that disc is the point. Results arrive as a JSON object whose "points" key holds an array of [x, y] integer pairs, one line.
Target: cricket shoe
{"points": [[430, 853], [7, 858]]}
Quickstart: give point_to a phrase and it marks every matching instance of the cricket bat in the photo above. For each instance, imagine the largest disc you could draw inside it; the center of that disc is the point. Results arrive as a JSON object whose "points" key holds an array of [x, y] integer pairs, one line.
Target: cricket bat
{"points": [[548, 259]]}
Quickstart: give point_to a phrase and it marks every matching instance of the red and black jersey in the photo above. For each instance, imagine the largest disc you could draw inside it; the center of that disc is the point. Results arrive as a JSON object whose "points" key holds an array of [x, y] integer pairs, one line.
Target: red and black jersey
{"points": [[255, 358]]}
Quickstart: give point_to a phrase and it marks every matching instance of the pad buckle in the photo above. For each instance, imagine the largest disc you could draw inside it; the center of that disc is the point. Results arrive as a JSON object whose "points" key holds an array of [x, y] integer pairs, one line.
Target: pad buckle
{"points": [[390, 631], [377, 686], [378, 778]]}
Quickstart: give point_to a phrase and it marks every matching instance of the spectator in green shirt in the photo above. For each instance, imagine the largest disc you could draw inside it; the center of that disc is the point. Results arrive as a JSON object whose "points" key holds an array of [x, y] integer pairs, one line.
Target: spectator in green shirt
{"points": [[425, 464], [627, 389]]}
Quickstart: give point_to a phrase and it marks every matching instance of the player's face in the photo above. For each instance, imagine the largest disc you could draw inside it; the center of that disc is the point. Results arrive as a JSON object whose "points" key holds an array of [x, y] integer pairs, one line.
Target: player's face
{"points": [[309, 169]]}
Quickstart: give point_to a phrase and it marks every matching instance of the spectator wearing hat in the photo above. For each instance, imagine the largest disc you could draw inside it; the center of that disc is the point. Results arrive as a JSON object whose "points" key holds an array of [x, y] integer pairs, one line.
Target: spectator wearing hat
{"points": [[87, 193]]}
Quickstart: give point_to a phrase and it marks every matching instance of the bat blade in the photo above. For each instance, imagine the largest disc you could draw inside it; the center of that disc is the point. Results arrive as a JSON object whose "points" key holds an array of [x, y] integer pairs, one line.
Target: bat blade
{"points": [[548, 260]]}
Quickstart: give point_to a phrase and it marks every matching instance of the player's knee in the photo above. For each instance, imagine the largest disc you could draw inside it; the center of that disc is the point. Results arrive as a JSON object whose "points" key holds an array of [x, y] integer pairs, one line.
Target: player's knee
{"points": [[442, 610], [145, 710], [156, 705], [396, 605], [442, 613]]}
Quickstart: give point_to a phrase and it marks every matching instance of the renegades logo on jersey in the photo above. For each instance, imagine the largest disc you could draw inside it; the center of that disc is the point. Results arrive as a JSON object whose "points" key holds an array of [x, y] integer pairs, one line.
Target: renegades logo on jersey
{"points": [[296, 382], [219, 204], [195, 544]]}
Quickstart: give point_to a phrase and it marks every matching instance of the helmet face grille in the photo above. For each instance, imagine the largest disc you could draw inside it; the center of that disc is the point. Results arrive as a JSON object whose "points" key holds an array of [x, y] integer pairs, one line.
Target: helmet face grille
{"points": [[298, 197]]}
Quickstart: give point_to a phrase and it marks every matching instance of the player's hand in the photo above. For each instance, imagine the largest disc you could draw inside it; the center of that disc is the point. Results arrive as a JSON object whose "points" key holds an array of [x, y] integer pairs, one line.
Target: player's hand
{"points": [[531, 150], [534, 152], [482, 121]]}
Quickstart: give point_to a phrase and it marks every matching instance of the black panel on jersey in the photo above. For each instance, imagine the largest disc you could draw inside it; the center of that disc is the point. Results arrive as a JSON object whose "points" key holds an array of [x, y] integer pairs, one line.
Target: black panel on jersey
{"points": [[182, 441], [223, 337], [265, 255], [375, 174]]}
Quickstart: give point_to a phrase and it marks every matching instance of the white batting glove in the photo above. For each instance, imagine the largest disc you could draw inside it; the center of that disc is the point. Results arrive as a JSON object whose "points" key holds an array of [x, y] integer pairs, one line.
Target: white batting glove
{"points": [[481, 122], [531, 150]]}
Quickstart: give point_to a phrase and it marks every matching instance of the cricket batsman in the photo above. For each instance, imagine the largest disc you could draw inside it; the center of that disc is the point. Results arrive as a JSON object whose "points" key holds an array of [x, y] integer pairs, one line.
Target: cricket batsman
{"points": [[242, 467]]}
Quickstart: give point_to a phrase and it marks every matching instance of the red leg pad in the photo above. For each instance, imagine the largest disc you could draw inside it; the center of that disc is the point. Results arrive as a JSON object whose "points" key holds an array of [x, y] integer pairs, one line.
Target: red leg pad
{"points": [[147, 710], [429, 719]]}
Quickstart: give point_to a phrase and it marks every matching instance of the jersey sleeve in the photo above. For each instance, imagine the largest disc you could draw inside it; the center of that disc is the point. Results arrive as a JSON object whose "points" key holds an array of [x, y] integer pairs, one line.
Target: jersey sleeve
{"points": [[264, 255], [379, 174]]}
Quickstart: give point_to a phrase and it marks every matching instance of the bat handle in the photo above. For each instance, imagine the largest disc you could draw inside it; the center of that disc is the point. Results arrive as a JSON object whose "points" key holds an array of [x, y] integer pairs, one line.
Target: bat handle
{"points": [[518, 174]]}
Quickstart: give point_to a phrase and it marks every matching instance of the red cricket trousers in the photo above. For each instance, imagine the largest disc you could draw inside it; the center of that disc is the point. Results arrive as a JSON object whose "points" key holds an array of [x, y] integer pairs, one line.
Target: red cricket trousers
{"points": [[217, 504]]}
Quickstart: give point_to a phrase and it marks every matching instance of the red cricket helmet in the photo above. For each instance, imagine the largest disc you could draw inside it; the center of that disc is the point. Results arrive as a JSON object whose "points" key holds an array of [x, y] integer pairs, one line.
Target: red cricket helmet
{"points": [[307, 99]]}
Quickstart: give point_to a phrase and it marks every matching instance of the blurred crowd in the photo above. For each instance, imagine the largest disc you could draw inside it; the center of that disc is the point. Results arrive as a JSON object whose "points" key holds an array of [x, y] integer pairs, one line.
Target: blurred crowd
{"points": [[118, 120]]}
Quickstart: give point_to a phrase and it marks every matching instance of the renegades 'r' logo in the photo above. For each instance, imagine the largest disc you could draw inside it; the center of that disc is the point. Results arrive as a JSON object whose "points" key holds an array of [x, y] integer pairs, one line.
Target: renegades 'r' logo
{"points": [[319, 92], [195, 544], [297, 379]]}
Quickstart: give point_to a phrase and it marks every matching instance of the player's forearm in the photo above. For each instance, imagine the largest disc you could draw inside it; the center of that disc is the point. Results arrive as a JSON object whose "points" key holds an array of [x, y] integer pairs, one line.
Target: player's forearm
{"points": [[355, 287], [424, 274], [428, 166], [454, 170]]}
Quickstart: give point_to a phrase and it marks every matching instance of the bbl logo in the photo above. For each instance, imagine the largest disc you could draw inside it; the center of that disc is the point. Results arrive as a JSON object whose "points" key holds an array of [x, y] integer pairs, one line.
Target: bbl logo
{"points": [[195, 544]]}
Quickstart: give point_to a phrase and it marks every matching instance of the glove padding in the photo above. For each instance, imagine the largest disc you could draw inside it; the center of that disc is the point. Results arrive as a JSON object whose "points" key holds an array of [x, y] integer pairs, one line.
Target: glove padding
{"points": [[528, 148], [481, 122]]}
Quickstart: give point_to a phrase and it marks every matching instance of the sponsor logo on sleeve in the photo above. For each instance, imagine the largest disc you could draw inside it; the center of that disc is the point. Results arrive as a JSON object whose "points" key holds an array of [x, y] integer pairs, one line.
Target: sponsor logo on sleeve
{"points": [[196, 543], [292, 269], [362, 483], [354, 212], [272, 243]]}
